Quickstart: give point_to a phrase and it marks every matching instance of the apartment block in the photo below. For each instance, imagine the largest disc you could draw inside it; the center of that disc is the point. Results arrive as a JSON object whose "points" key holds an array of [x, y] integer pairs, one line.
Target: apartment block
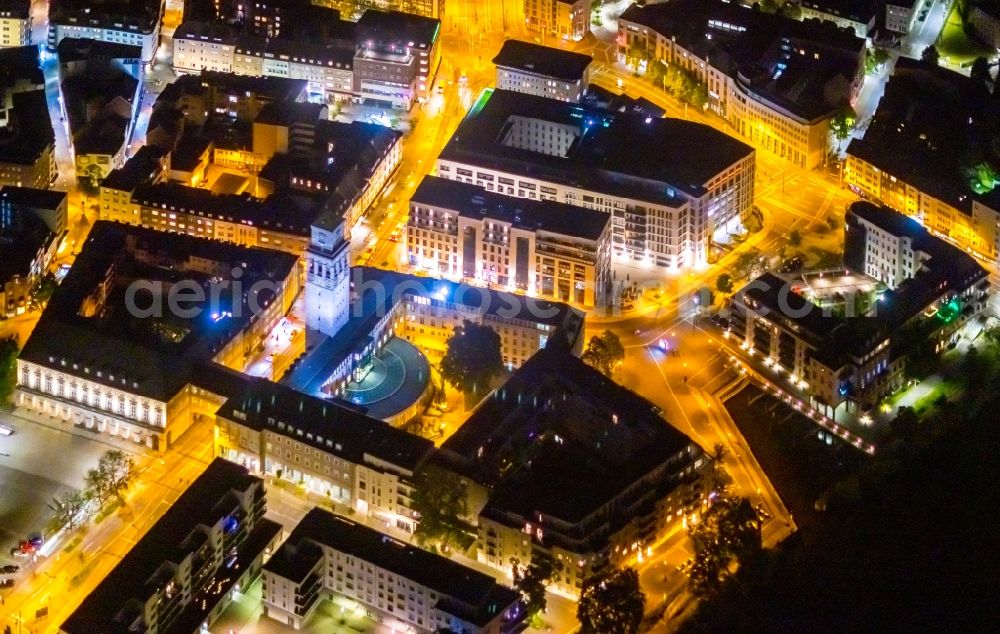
{"points": [[130, 22], [561, 462], [541, 247], [15, 23], [663, 213], [208, 546], [562, 19], [777, 81], [542, 70], [409, 589], [932, 130]]}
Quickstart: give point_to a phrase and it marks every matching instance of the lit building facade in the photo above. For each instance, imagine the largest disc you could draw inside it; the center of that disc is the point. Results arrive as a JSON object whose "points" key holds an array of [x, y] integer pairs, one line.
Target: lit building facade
{"points": [[746, 87], [330, 450], [563, 19], [409, 589], [542, 70], [541, 247], [15, 23], [661, 213]]}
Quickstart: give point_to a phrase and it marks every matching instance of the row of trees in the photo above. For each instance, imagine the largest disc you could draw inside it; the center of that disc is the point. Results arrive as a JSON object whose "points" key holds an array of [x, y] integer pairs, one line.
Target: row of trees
{"points": [[8, 369], [110, 480], [679, 82]]}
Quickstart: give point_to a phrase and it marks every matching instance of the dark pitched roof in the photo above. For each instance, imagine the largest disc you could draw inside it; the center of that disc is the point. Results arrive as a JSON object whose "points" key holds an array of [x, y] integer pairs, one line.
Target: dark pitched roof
{"points": [[20, 63], [110, 607], [754, 46], [118, 351], [931, 125], [466, 593], [33, 198], [581, 439], [533, 215], [28, 136], [327, 425], [542, 60], [72, 49], [15, 9], [604, 157], [20, 241], [138, 170]]}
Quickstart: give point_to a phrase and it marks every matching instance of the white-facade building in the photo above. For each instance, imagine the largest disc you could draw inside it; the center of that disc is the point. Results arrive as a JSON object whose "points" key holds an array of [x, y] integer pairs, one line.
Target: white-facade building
{"points": [[542, 247], [141, 29], [542, 70], [900, 14], [662, 212], [350, 458], [408, 589]]}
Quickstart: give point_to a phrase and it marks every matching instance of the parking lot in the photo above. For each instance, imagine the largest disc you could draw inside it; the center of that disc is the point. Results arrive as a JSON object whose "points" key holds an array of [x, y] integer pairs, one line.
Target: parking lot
{"points": [[37, 464]]}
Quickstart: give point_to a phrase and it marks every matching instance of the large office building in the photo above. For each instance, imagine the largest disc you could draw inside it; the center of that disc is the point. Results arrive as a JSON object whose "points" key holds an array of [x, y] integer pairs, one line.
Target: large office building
{"points": [[562, 462], [132, 22], [406, 588], [933, 287], [663, 212], [927, 152], [542, 70], [385, 58], [27, 142], [328, 447], [208, 546], [562, 19], [15, 23], [544, 248], [777, 81], [116, 352]]}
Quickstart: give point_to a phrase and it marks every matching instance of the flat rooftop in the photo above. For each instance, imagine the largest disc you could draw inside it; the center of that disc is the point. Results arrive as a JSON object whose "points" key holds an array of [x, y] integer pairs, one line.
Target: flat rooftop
{"points": [[113, 605], [560, 438], [605, 157], [471, 595], [87, 326], [543, 60], [378, 292], [931, 126], [472, 201], [328, 425]]}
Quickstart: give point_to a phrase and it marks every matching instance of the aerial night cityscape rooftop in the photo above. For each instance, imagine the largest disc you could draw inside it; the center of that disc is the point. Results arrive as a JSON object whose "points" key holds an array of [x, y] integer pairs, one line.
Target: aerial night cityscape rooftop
{"points": [[545, 316]]}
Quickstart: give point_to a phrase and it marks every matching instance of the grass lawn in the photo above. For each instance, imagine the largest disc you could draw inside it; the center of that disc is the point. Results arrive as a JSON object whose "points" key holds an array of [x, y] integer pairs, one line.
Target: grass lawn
{"points": [[957, 47]]}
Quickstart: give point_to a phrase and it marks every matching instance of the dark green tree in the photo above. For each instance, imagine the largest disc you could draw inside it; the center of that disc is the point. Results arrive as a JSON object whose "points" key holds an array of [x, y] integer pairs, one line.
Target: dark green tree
{"points": [[749, 264], [611, 603], [8, 369], [729, 530], [875, 58], [530, 580], [930, 55], [980, 70], [116, 470], [43, 290], [842, 124], [473, 357], [724, 283], [439, 498], [67, 508], [604, 352], [795, 237]]}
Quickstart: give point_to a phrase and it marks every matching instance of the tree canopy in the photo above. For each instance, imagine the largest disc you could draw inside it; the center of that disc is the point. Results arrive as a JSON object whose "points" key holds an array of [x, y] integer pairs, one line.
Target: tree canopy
{"points": [[604, 352], [930, 54], [8, 369], [440, 499], [611, 603], [530, 580], [473, 357], [730, 530]]}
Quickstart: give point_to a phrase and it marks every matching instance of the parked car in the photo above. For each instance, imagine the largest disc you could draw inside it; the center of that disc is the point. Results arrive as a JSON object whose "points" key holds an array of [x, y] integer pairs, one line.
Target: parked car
{"points": [[9, 569], [36, 540], [6, 583], [17, 552]]}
